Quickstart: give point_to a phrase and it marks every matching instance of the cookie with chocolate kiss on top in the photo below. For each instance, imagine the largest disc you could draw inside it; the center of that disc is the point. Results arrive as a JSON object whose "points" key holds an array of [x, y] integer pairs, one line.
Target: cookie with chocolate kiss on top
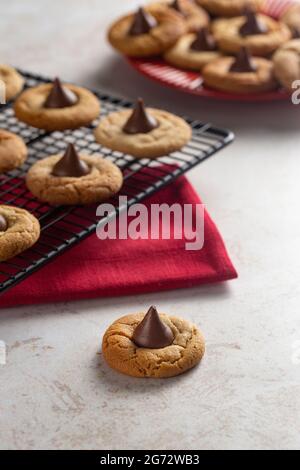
{"points": [[194, 16], [152, 345], [143, 132], [73, 178], [261, 34], [192, 51], [57, 106], [147, 32], [240, 74]]}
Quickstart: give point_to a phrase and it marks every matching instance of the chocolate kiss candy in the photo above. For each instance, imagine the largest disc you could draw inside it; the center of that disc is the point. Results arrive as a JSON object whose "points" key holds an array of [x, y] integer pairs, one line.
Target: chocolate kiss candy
{"points": [[243, 62], [296, 33], [59, 96], [204, 41], [70, 164], [152, 332], [3, 224], [252, 25], [140, 122], [142, 23], [176, 6]]}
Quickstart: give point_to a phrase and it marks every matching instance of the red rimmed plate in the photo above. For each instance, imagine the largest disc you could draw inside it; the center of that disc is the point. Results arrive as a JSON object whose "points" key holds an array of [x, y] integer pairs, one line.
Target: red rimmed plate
{"points": [[190, 82]]}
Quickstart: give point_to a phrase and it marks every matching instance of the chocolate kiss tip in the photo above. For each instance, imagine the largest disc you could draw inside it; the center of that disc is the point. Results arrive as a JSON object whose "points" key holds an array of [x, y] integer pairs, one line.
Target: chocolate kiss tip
{"points": [[243, 62], [142, 23], [70, 164], [176, 5], [252, 25], [152, 332], [140, 121], [204, 41], [3, 224], [59, 96]]}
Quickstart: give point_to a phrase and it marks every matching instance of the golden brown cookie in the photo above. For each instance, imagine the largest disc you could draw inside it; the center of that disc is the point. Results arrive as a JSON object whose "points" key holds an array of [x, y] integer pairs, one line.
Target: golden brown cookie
{"points": [[19, 230], [194, 16], [229, 39], [291, 17], [13, 81], [287, 64], [30, 108], [168, 26], [122, 354], [102, 179], [228, 7], [217, 75], [13, 151], [170, 133], [184, 56]]}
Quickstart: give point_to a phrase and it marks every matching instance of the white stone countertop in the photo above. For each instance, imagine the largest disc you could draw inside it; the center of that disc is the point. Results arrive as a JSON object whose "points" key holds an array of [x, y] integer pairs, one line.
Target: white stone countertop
{"points": [[55, 391]]}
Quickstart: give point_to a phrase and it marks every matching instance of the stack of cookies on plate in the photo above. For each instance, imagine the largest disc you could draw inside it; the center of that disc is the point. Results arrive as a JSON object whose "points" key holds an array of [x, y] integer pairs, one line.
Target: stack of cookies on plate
{"points": [[73, 177], [234, 46]]}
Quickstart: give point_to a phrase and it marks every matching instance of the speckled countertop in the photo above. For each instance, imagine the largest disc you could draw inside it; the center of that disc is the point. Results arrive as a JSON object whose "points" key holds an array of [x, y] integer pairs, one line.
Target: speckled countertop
{"points": [[55, 390]]}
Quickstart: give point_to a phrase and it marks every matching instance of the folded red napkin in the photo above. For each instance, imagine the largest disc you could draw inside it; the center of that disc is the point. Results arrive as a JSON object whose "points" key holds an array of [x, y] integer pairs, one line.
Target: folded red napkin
{"points": [[102, 268]]}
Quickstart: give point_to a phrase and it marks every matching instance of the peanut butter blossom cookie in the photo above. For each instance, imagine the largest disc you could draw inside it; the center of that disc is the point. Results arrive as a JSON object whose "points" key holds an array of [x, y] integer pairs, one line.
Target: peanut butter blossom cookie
{"points": [[143, 132], [291, 18], [152, 345], [13, 81], [242, 74], [149, 31], [260, 33], [287, 64], [54, 106], [193, 51], [19, 230], [74, 179], [228, 7], [13, 151], [194, 16]]}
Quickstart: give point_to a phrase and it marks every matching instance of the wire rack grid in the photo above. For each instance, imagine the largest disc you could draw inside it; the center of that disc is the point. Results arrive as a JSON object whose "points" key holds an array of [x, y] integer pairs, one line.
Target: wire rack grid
{"points": [[63, 227]]}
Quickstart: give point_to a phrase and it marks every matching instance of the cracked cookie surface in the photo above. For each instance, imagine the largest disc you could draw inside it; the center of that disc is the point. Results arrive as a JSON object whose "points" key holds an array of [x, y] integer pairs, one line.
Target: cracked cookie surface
{"points": [[23, 230], [104, 180], [13, 151], [171, 134], [122, 354], [170, 27], [29, 108], [13, 81]]}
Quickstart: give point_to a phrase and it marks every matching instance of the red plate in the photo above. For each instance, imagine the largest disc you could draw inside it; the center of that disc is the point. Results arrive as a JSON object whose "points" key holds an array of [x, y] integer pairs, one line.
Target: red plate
{"points": [[190, 82]]}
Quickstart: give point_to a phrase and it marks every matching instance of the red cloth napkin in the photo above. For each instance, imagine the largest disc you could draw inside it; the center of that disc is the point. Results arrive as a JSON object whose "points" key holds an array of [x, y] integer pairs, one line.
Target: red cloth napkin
{"points": [[102, 268]]}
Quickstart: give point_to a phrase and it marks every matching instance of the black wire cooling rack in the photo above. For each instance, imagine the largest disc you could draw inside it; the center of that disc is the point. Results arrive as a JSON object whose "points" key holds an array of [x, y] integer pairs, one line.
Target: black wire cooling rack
{"points": [[63, 227]]}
